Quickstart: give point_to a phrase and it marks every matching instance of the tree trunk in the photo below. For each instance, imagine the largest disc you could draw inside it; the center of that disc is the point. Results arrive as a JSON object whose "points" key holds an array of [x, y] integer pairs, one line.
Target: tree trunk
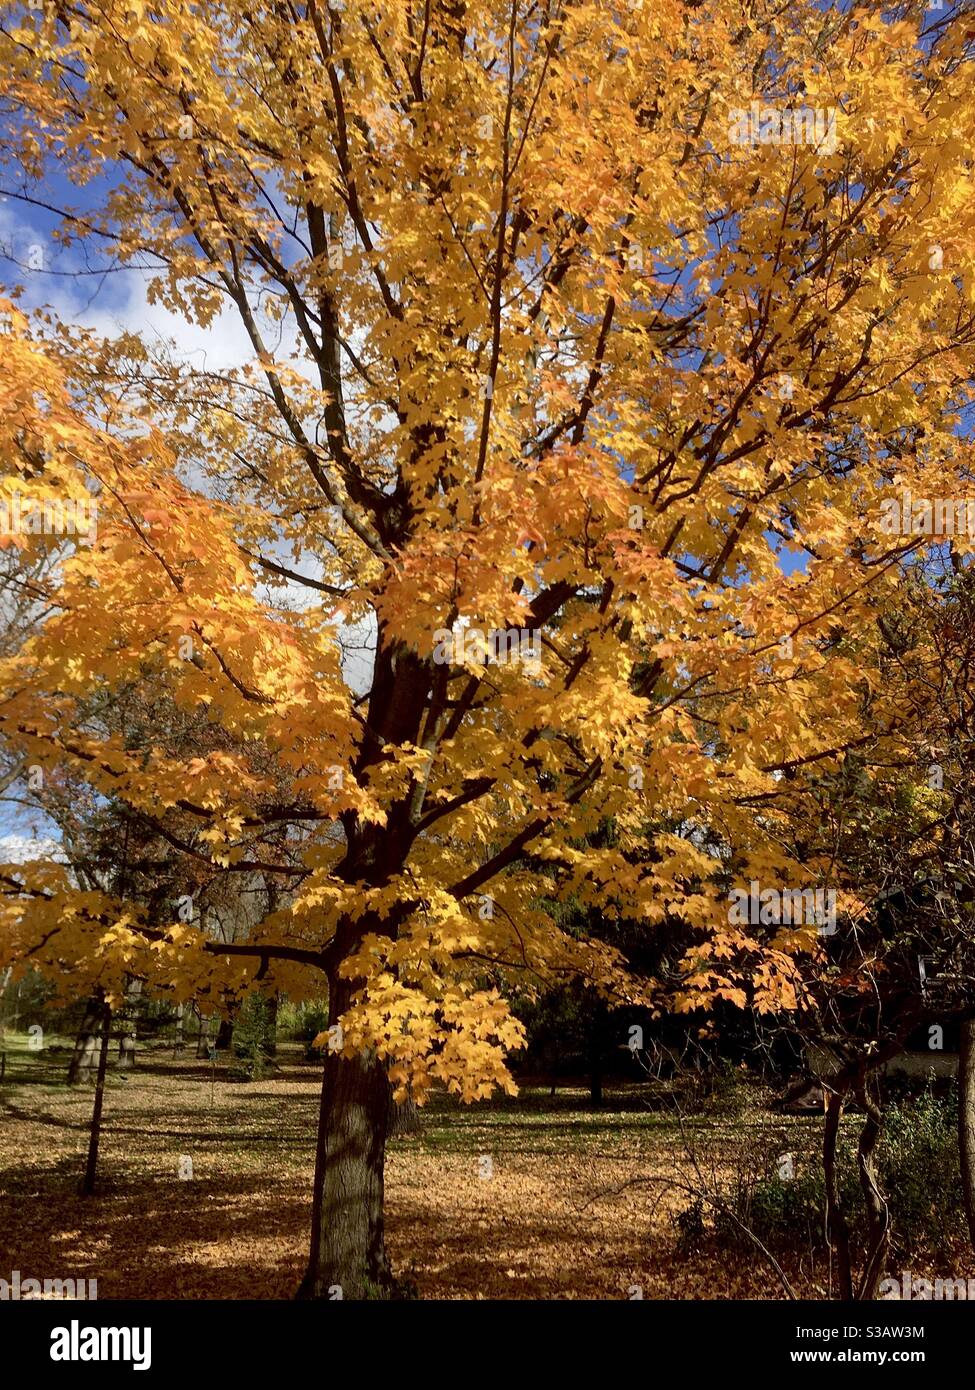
{"points": [[88, 1186], [85, 1041], [225, 1033], [878, 1213], [126, 1052], [597, 1028], [837, 1231], [595, 1079], [348, 1253], [403, 1118], [966, 1119], [271, 1043]]}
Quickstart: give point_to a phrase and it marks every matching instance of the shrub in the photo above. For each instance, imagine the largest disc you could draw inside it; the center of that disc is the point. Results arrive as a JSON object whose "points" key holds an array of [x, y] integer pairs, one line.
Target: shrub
{"points": [[253, 1038], [917, 1164], [920, 1171], [304, 1021]]}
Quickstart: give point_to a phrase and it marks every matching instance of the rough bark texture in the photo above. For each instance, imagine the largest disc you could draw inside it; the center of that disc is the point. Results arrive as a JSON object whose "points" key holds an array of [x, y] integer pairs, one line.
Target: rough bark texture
{"points": [[966, 1119], [403, 1118], [348, 1254]]}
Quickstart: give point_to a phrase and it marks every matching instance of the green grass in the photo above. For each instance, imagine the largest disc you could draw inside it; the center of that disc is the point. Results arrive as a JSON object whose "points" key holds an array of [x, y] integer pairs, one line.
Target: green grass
{"points": [[534, 1122], [46, 1068]]}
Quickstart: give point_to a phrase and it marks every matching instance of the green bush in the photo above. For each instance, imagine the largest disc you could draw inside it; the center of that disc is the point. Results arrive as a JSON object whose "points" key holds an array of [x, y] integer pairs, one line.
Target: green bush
{"points": [[304, 1021], [918, 1172], [253, 1038], [788, 1210]]}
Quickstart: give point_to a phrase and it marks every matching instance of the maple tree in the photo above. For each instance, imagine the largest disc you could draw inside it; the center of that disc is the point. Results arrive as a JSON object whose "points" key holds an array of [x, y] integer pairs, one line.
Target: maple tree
{"points": [[538, 344]]}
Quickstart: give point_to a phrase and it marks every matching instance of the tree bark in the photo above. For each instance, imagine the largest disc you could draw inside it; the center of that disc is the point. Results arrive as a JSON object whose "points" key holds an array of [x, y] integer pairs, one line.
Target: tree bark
{"points": [[272, 1025], [595, 1076], [837, 1230], [966, 1119], [348, 1252], [84, 1037], [88, 1186], [878, 1213], [402, 1118]]}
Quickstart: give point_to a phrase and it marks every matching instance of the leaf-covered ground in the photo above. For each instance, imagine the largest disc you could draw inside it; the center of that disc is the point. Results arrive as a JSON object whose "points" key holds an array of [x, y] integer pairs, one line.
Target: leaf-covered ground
{"points": [[533, 1198]]}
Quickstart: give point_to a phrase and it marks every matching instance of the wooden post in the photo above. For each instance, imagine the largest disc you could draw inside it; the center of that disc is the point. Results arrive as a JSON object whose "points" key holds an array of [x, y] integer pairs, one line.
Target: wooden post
{"points": [[88, 1186]]}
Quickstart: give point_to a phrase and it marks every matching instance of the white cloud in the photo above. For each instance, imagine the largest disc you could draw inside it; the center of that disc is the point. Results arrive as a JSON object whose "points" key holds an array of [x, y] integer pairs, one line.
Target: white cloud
{"points": [[24, 849]]}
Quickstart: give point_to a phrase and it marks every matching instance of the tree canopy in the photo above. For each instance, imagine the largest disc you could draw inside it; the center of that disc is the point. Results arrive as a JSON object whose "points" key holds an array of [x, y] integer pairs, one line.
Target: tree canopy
{"points": [[545, 339]]}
